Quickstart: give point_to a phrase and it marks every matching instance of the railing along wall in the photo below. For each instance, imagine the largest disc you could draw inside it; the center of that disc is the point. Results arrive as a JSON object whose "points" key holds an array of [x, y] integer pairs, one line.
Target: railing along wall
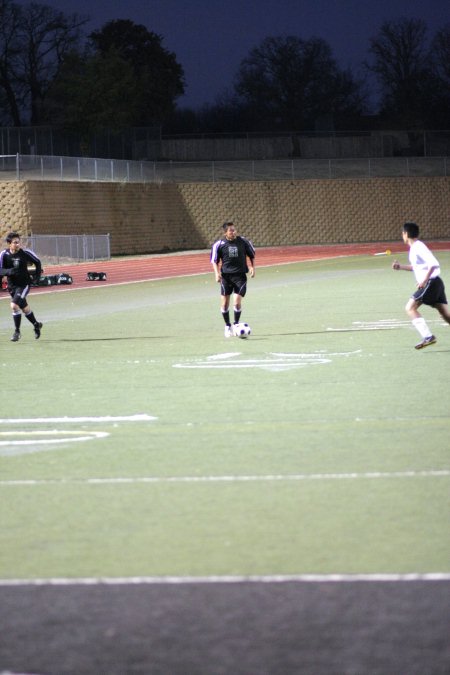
{"points": [[41, 167]]}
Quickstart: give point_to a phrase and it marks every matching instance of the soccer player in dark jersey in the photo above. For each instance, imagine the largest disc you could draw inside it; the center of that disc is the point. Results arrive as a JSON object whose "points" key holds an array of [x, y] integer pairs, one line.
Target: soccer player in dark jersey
{"points": [[14, 262], [232, 257]]}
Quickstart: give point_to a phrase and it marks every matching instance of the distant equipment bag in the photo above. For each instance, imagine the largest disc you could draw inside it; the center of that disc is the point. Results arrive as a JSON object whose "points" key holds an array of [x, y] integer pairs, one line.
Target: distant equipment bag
{"points": [[54, 279], [96, 276]]}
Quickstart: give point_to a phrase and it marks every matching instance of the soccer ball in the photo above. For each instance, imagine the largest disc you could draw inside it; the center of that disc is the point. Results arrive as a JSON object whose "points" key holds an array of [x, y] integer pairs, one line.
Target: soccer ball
{"points": [[242, 330]]}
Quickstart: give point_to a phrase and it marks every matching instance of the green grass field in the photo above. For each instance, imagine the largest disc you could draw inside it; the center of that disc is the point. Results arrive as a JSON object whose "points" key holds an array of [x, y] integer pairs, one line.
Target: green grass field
{"points": [[320, 445]]}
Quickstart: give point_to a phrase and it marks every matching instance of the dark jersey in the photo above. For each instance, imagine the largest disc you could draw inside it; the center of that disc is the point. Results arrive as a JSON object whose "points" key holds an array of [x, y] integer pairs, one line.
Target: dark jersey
{"points": [[233, 254], [19, 262]]}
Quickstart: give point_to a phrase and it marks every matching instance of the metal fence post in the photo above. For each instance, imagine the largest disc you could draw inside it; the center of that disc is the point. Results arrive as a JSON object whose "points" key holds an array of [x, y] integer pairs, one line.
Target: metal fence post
{"points": [[17, 166]]}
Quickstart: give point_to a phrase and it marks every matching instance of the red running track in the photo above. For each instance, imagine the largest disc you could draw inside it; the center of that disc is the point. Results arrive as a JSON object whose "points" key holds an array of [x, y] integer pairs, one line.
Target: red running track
{"points": [[146, 268]]}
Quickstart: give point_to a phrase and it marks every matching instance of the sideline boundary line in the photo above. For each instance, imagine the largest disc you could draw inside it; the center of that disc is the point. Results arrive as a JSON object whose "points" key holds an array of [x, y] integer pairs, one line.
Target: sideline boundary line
{"points": [[250, 579], [68, 420], [430, 473], [134, 269]]}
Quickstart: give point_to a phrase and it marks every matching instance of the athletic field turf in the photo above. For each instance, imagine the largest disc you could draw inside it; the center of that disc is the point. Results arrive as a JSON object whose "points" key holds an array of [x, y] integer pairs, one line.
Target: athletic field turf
{"points": [[176, 502]]}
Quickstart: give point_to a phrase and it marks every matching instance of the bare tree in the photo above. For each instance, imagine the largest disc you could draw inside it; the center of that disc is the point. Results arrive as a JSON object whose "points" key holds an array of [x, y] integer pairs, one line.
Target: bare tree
{"points": [[11, 95], [438, 104], [440, 52], [401, 63], [33, 42], [290, 82]]}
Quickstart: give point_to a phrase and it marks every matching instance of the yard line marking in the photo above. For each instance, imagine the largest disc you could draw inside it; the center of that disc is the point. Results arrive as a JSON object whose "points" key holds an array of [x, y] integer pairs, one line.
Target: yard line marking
{"points": [[273, 361], [57, 420], [237, 579], [430, 473], [381, 324], [27, 442], [30, 437], [30, 441]]}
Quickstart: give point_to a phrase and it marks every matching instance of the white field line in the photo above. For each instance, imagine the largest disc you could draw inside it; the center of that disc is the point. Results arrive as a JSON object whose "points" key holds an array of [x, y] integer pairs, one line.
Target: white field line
{"points": [[381, 324], [238, 579], [429, 473], [74, 287], [29, 437], [76, 420]]}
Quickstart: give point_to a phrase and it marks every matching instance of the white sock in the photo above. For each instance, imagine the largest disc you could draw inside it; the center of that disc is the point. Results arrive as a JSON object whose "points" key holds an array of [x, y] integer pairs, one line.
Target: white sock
{"points": [[421, 326]]}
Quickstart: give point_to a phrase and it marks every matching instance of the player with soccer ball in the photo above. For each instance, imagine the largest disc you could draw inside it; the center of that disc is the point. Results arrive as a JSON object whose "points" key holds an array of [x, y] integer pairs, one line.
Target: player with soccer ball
{"points": [[232, 257]]}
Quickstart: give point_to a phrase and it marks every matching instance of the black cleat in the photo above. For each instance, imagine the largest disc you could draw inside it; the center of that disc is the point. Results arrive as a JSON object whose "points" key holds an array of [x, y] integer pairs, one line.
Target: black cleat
{"points": [[37, 330], [16, 336], [426, 342]]}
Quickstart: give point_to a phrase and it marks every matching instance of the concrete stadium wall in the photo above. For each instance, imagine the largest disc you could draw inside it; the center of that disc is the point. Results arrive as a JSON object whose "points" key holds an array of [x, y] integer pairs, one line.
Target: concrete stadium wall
{"points": [[150, 218]]}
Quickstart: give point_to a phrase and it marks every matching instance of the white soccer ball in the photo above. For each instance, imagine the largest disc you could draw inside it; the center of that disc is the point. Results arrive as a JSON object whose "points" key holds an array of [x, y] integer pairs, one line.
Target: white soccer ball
{"points": [[242, 330]]}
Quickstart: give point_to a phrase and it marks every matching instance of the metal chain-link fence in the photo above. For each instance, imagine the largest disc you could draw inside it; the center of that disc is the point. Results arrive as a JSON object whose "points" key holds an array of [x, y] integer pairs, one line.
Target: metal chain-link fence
{"points": [[35, 167], [60, 248]]}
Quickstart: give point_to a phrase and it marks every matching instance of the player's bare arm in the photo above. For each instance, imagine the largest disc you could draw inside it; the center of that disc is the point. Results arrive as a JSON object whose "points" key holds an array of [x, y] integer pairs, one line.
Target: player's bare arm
{"points": [[217, 272], [397, 266]]}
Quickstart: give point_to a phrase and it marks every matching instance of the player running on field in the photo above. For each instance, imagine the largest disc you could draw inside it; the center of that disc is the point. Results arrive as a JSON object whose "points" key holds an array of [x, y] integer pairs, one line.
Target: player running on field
{"points": [[430, 287], [232, 257], [14, 262]]}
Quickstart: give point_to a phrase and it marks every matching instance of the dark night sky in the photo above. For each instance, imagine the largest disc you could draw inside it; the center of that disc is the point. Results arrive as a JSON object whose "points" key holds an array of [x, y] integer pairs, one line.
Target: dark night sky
{"points": [[211, 37]]}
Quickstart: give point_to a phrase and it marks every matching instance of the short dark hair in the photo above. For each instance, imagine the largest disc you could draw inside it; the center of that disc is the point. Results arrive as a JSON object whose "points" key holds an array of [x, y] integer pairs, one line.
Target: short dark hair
{"points": [[11, 236], [411, 229], [227, 224]]}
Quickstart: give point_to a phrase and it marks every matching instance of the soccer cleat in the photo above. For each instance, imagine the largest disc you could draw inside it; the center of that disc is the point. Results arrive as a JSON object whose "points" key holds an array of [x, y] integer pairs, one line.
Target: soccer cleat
{"points": [[16, 336], [426, 342], [37, 330], [228, 332]]}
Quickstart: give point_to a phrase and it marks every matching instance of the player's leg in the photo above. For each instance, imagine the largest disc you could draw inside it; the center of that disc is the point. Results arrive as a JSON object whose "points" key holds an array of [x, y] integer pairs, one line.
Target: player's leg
{"points": [[239, 292], [237, 307], [19, 304], [440, 300], [225, 309], [225, 293], [17, 320], [419, 323], [443, 311], [16, 311], [37, 325]]}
